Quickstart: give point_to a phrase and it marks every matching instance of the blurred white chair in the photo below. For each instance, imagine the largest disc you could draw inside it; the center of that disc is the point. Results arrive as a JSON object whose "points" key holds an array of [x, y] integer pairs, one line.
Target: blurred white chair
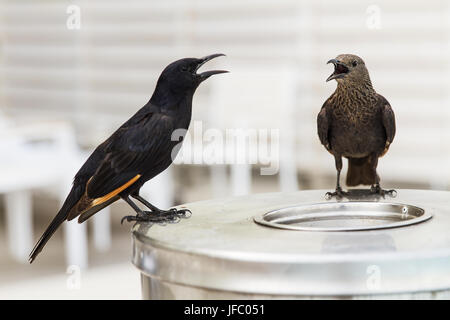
{"points": [[42, 156], [258, 97]]}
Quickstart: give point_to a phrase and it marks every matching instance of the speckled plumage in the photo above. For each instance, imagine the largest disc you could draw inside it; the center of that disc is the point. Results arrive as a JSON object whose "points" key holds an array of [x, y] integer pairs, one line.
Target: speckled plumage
{"points": [[356, 122]]}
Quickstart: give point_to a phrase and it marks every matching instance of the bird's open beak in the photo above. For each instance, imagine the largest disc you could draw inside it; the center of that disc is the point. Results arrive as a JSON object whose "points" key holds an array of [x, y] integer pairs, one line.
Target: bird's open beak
{"points": [[205, 75], [340, 70]]}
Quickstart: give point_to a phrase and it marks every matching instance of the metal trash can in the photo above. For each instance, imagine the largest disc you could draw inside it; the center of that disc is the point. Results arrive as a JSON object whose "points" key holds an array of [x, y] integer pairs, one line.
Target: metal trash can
{"points": [[300, 246]]}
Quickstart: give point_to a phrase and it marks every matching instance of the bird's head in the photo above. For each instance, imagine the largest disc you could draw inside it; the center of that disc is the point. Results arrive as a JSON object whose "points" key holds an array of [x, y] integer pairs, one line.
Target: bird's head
{"points": [[349, 69], [181, 76]]}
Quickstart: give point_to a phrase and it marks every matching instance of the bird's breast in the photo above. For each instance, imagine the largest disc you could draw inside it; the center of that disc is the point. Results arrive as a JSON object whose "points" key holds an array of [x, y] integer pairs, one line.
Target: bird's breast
{"points": [[356, 131]]}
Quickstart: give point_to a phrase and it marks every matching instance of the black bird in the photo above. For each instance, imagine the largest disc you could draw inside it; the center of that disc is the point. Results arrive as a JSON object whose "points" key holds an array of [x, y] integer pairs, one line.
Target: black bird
{"points": [[357, 123], [136, 152]]}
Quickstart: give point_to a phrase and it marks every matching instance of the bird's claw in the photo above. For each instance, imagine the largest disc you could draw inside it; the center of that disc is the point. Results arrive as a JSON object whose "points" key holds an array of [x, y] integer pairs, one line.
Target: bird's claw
{"points": [[392, 193], [136, 218], [172, 215], [339, 194], [128, 218], [383, 192], [184, 213]]}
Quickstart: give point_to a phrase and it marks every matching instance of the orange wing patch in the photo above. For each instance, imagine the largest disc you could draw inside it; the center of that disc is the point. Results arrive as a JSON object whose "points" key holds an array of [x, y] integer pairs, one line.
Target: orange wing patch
{"points": [[113, 193]]}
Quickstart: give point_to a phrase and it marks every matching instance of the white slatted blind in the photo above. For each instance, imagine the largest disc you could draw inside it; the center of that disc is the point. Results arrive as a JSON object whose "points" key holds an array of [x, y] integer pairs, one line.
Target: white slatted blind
{"points": [[101, 74]]}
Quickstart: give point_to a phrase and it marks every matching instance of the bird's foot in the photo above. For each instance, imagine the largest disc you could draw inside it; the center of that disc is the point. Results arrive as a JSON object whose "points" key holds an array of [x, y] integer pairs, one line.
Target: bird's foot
{"points": [[339, 194], [161, 217], [376, 189]]}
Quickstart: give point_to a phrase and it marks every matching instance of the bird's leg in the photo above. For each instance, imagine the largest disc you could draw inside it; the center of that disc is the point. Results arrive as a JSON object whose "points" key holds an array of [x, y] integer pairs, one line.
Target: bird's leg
{"points": [[338, 193], [146, 203], [155, 214], [140, 215], [182, 213], [376, 188]]}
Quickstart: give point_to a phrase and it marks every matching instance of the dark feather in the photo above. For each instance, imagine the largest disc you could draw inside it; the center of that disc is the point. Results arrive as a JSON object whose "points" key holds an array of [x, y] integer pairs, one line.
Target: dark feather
{"points": [[131, 152], [388, 119], [73, 197], [323, 126]]}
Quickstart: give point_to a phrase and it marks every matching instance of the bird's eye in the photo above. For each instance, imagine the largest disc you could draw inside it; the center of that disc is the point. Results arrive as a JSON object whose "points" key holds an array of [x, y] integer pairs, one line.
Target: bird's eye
{"points": [[354, 63], [184, 68]]}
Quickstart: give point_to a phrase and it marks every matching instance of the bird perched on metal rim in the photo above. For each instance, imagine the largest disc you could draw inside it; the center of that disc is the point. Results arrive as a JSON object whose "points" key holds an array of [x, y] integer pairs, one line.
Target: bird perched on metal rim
{"points": [[357, 123], [136, 152]]}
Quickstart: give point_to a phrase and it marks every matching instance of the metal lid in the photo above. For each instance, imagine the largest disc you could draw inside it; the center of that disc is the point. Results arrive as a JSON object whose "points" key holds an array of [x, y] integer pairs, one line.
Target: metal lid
{"points": [[221, 247], [344, 216]]}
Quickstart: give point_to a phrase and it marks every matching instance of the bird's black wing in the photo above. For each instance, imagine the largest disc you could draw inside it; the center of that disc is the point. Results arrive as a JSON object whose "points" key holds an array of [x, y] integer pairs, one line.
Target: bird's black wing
{"points": [[388, 119], [323, 125], [131, 150], [389, 122]]}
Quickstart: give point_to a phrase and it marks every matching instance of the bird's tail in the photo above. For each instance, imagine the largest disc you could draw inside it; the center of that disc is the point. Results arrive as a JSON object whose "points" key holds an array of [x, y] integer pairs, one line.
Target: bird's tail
{"points": [[360, 171], [62, 215]]}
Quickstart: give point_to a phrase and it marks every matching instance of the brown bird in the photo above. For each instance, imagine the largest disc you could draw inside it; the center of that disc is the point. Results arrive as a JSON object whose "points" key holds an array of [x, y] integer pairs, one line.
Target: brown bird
{"points": [[357, 123]]}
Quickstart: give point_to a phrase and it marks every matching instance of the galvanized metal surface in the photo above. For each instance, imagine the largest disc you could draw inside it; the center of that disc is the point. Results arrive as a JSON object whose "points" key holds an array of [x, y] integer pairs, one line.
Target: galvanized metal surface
{"points": [[220, 252]]}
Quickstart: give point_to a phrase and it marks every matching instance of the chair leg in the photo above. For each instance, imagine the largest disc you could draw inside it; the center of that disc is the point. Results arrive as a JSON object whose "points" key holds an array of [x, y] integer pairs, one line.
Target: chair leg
{"points": [[288, 166], [102, 230], [76, 244], [19, 224], [219, 181], [75, 238], [241, 179]]}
